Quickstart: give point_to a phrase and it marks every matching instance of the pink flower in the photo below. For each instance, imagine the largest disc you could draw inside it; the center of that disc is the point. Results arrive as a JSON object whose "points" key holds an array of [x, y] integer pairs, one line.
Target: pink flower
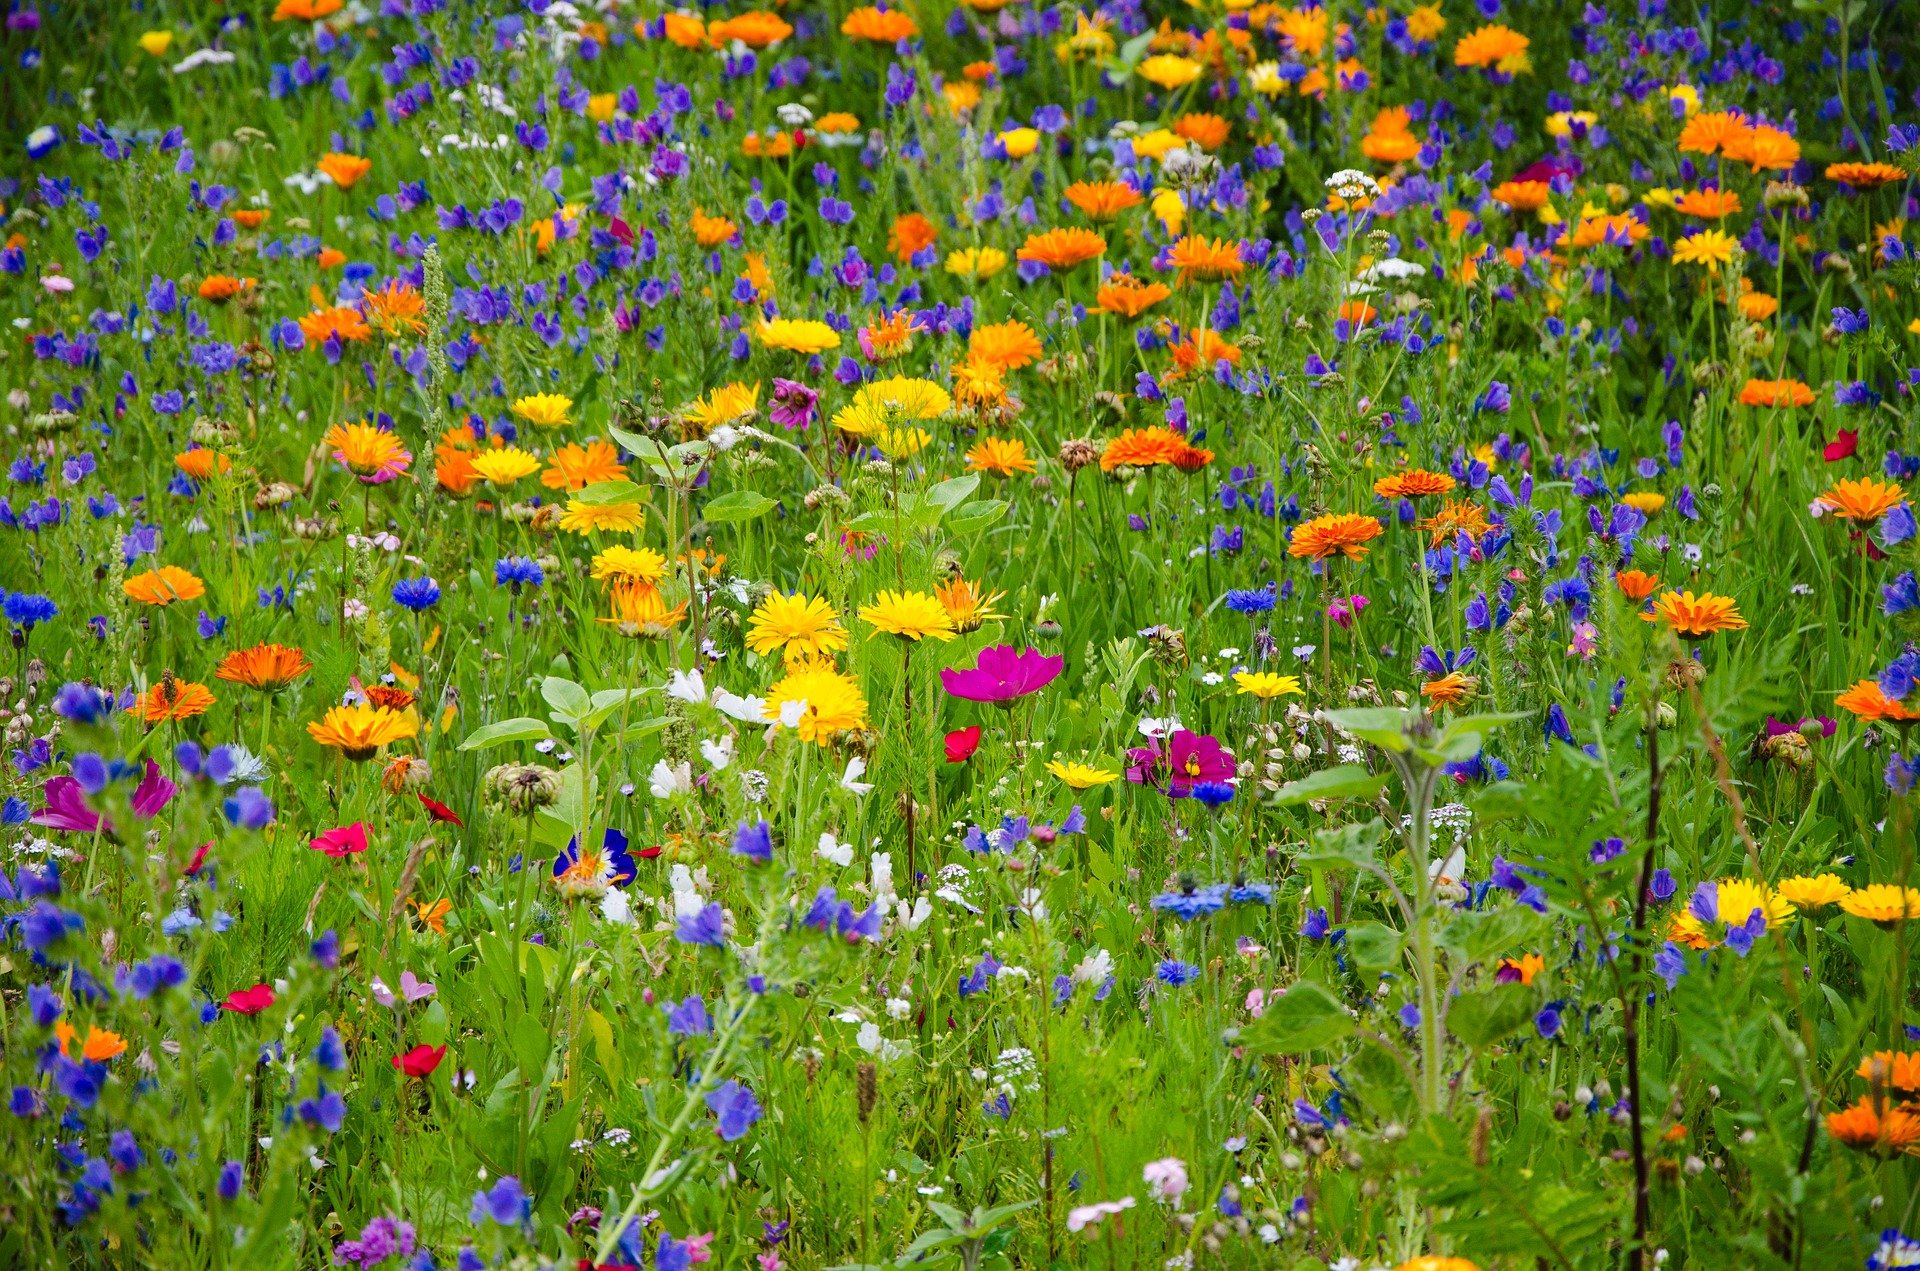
{"points": [[792, 404], [345, 840], [1345, 611], [67, 802], [962, 742], [1084, 1216], [249, 1001], [1166, 1179], [699, 1247], [1586, 640], [1002, 676], [1190, 759]]}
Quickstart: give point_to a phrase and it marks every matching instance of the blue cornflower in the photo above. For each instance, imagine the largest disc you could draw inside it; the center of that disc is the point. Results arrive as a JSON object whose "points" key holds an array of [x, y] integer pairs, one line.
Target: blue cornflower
{"points": [[24, 610], [1173, 973], [1253, 599], [504, 1203], [1190, 902], [517, 572], [418, 593]]}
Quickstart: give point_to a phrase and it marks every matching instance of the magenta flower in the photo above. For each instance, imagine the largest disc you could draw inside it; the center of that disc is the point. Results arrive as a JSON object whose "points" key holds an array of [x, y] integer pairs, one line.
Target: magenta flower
{"points": [[1003, 676], [1190, 759], [67, 802], [792, 404]]}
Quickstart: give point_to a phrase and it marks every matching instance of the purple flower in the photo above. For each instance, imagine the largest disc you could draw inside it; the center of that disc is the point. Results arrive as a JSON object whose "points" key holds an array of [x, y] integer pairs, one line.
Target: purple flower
{"points": [[735, 1107], [504, 1203], [689, 1018], [1002, 676], [793, 404], [1191, 759], [707, 927]]}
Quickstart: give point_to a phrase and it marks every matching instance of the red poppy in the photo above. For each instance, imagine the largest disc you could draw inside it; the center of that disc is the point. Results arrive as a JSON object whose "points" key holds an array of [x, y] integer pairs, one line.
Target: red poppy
{"points": [[199, 859], [249, 1001], [420, 1061], [962, 742], [441, 812], [342, 841], [1844, 444], [648, 853]]}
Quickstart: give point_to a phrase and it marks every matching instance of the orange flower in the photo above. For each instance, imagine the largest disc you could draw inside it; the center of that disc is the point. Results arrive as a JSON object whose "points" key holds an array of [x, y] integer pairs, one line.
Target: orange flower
{"points": [[1415, 483], [1456, 516], [575, 467], [453, 471], [343, 321], [306, 10], [1862, 500], [1758, 306], [434, 916], [1202, 351], [883, 26], [251, 217], [1526, 968], [1864, 176], [1696, 616], [1197, 257], [1103, 200], [1142, 448], [911, 233], [755, 30], [1337, 533], [1710, 131], [344, 169], [99, 1047], [172, 699], [1876, 1128], [388, 697], [1523, 196], [267, 667], [1636, 585], [163, 586], [1358, 312], [711, 231], [1892, 1070], [1000, 457], [395, 308], [1063, 248], [1209, 132], [1191, 458], [1494, 45], [1621, 229], [1708, 204], [1775, 393], [1128, 297], [200, 463], [1007, 345], [220, 288], [1391, 139], [330, 258], [1868, 701], [1763, 148], [682, 30], [891, 336]]}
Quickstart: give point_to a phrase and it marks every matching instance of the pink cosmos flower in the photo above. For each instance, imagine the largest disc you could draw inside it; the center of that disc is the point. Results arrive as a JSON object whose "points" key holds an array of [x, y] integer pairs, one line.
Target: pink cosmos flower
{"points": [[342, 841], [67, 802], [1003, 676], [1190, 759]]}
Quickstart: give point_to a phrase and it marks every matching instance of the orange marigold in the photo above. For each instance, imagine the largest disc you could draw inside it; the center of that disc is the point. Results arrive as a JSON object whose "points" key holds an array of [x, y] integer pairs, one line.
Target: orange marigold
{"points": [[1696, 616], [883, 26], [1775, 393], [1337, 533], [1864, 176], [1493, 45], [1007, 345], [1103, 200], [1522, 196], [1709, 132], [1863, 499], [1636, 585], [1868, 701], [343, 321], [220, 288], [163, 586], [1195, 256], [575, 467], [1063, 248], [1877, 1128], [1142, 448], [1209, 132], [267, 667], [1128, 297], [1414, 483], [911, 233], [172, 699]]}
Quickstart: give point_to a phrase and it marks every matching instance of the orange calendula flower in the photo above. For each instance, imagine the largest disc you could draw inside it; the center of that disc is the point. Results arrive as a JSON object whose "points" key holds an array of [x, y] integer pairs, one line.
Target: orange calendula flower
{"points": [[1202, 351], [397, 309], [1635, 584], [358, 732], [1103, 200], [267, 667], [1197, 257], [251, 217], [911, 234], [1209, 132], [1450, 689], [1335, 534], [711, 231], [344, 170], [1696, 616], [163, 586], [1758, 306], [1763, 148], [1142, 448], [1622, 229], [1864, 176], [1863, 500], [1883, 904], [433, 916], [1868, 701], [969, 606], [640, 610], [220, 288], [1002, 457], [1708, 205], [201, 463], [1874, 1127], [1522, 196], [1415, 483], [454, 473], [890, 336], [1523, 969], [1128, 297], [368, 452], [1775, 393], [1456, 516], [306, 10], [756, 30], [99, 1047], [1499, 47], [172, 699], [342, 321], [575, 467], [881, 25], [1063, 248], [1007, 345], [1710, 131], [1892, 1070]]}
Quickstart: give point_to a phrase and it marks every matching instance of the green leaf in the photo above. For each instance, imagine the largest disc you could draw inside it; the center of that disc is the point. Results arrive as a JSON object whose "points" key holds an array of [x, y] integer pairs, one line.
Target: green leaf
{"points": [[1303, 1018], [507, 730], [602, 493], [1344, 846], [1348, 781], [1374, 945], [738, 505], [1482, 1018], [972, 517], [952, 492], [1471, 731], [633, 443], [1384, 726], [570, 702]]}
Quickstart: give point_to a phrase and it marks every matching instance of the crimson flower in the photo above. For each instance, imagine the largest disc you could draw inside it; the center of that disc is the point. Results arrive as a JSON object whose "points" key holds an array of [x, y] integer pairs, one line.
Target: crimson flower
{"points": [[345, 840], [1004, 675], [439, 811], [962, 742], [1844, 444], [420, 1061], [249, 1001]]}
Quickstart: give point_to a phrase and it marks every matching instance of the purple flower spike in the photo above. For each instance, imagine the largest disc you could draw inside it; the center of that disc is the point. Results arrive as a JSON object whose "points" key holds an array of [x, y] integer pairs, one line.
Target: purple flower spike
{"points": [[1003, 676]]}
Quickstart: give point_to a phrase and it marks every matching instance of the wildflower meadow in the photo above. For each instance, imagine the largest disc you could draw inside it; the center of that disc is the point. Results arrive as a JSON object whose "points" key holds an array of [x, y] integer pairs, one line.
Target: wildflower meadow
{"points": [[972, 634]]}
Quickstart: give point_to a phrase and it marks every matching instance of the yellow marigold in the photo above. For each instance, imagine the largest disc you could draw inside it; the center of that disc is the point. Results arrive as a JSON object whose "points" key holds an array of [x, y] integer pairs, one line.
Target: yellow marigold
{"points": [[1080, 776], [359, 731], [1497, 46], [1709, 248], [1167, 71], [1883, 903], [1812, 894], [616, 518], [1862, 499], [641, 612], [504, 465], [975, 262], [163, 586], [621, 564], [1696, 616], [911, 615], [882, 402], [833, 703], [1425, 24], [1019, 142], [1000, 456], [980, 386], [1646, 502], [727, 404], [802, 625], [545, 410], [1265, 685], [1335, 534], [799, 335]]}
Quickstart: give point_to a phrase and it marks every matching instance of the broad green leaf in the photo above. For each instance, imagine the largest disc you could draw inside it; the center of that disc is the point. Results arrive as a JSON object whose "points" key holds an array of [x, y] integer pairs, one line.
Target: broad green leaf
{"points": [[972, 517], [1483, 1017], [1348, 781], [569, 701], [1384, 726], [738, 505], [952, 492], [1344, 846], [1482, 936], [1374, 945], [507, 730], [1303, 1018], [602, 493]]}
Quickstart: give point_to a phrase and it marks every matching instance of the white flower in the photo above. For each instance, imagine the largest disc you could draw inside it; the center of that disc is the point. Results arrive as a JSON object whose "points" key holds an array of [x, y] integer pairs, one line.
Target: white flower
{"points": [[856, 767], [687, 686], [791, 713], [833, 849], [1394, 267], [870, 1040], [666, 782], [1154, 728], [202, 57], [307, 182], [881, 871], [718, 754], [748, 710], [794, 115], [1032, 902], [898, 1008], [911, 916], [615, 908], [1211, 678], [1094, 968]]}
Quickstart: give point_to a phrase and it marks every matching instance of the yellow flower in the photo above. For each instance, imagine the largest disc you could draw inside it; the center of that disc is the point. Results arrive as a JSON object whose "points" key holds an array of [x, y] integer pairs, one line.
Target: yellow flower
{"points": [[804, 626], [1646, 502], [1882, 903], [911, 615], [548, 410], [505, 466], [367, 450], [969, 607], [902, 443], [1079, 776], [1169, 72], [584, 518], [976, 262], [723, 405], [1710, 248], [1425, 23], [357, 732], [1000, 456], [900, 398], [1265, 685], [1020, 142], [833, 702], [799, 335], [640, 610], [156, 42], [629, 565], [1810, 895]]}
